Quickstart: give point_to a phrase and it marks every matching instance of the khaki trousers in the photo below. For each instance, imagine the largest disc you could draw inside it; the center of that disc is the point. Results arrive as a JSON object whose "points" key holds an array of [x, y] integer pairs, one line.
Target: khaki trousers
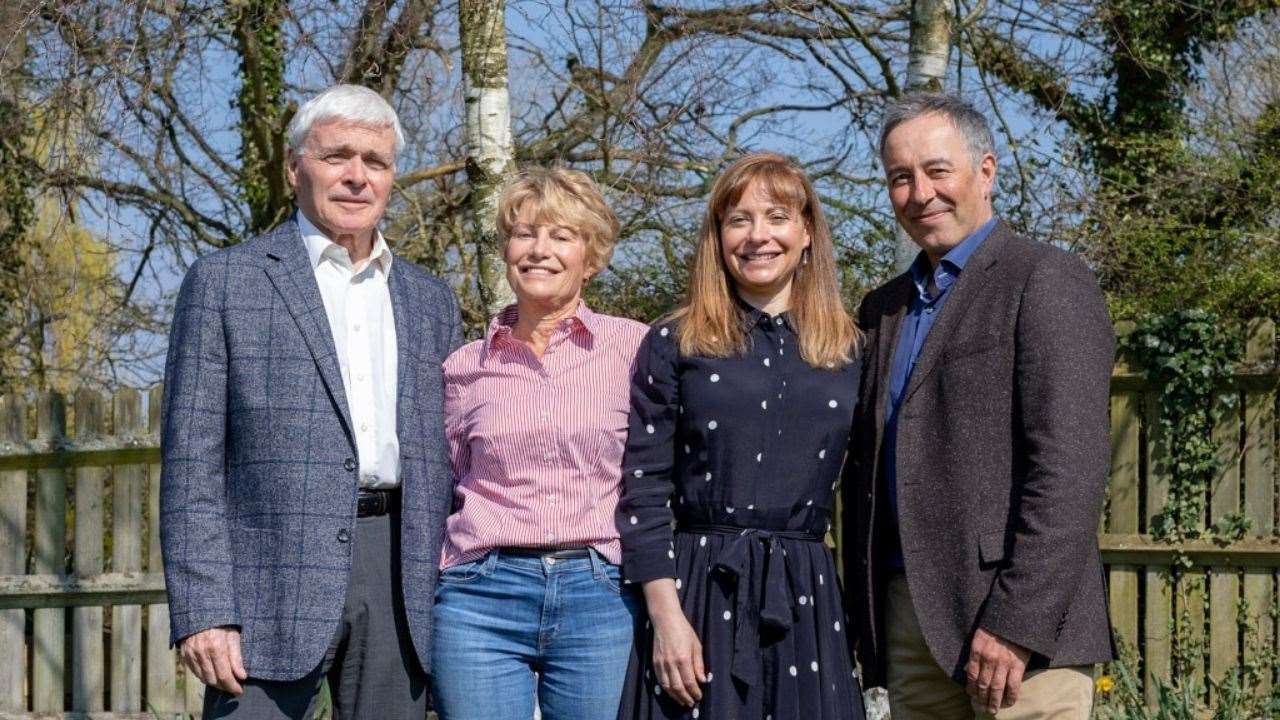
{"points": [[920, 689]]}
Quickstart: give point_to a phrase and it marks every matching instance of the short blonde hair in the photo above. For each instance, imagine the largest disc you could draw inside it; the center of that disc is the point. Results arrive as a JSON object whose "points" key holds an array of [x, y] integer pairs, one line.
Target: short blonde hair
{"points": [[564, 197]]}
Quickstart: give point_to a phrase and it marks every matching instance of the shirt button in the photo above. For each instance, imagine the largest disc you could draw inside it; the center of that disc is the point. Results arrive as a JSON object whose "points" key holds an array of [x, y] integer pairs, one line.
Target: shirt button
{"points": [[551, 498], [546, 456], [344, 535], [355, 328], [364, 427], [349, 464], [544, 415]]}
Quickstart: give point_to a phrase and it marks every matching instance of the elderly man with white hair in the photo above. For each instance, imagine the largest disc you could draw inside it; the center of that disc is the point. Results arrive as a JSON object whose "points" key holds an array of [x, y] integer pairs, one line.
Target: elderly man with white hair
{"points": [[305, 481]]}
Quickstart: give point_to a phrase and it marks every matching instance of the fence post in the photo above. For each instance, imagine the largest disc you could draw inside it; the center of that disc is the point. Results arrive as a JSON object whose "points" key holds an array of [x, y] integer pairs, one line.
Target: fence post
{"points": [[1224, 582], [126, 556], [162, 682], [13, 558], [86, 622], [49, 558], [1260, 491], [1157, 645], [1123, 494]]}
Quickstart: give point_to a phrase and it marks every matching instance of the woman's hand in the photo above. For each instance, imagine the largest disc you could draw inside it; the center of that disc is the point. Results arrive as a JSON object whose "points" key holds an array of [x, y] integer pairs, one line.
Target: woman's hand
{"points": [[677, 652]]}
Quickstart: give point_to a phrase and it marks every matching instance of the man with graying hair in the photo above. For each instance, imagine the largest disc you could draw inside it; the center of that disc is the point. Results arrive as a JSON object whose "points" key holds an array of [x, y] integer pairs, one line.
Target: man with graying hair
{"points": [[304, 482], [980, 451]]}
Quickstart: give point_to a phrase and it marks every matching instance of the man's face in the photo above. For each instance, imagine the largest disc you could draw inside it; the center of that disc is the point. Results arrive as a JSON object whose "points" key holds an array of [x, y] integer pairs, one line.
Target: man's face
{"points": [[938, 195], [342, 176]]}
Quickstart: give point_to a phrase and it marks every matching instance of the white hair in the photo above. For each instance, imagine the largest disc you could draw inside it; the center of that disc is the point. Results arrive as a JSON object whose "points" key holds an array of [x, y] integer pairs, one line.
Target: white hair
{"points": [[353, 103]]}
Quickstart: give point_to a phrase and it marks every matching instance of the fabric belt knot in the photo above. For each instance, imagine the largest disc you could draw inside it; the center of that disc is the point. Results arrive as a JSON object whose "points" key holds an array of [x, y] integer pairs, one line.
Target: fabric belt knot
{"points": [[762, 599]]}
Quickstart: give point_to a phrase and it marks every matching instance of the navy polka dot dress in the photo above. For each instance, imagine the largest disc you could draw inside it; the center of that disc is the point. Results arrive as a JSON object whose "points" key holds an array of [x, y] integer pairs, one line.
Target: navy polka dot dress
{"points": [[744, 453]]}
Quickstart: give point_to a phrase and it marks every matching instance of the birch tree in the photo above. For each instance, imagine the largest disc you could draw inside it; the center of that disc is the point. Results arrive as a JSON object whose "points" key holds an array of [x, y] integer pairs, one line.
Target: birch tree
{"points": [[490, 154], [929, 51]]}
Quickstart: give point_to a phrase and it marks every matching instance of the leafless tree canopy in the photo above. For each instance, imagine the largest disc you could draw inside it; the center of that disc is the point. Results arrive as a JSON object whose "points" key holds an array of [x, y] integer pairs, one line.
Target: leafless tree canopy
{"points": [[162, 120]]}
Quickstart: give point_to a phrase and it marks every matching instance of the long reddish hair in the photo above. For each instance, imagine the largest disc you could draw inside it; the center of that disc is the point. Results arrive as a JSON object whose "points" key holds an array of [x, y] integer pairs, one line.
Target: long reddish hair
{"points": [[710, 322]]}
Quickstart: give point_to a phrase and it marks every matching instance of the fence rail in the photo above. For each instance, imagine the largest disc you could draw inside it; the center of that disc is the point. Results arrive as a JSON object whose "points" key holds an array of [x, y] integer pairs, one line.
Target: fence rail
{"points": [[82, 594]]}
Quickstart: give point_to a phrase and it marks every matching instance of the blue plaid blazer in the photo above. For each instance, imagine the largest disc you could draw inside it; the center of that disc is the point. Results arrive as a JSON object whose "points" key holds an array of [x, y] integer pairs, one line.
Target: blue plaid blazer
{"points": [[257, 487]]}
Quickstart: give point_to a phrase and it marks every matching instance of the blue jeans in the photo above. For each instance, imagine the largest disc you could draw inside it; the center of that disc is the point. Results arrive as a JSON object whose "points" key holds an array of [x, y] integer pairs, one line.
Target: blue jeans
{"points": [[508, 625]]}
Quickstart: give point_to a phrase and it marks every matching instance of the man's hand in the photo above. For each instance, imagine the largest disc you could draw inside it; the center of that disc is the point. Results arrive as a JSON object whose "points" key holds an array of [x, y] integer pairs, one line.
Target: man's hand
{"points": [[214, 656], [994, 671]]}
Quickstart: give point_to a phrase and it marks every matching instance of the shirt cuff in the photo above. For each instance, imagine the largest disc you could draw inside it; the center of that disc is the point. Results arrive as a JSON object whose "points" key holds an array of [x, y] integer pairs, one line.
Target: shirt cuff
{"points": [[643, 567]]}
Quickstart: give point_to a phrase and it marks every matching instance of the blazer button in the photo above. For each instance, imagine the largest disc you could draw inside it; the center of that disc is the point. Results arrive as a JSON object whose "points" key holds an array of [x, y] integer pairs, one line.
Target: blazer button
{"points": [[344, 535], [349, 464]]}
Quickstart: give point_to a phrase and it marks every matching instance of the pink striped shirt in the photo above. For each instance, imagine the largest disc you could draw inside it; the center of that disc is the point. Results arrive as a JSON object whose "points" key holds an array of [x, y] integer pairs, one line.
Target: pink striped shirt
{"points": [[536, 444]]}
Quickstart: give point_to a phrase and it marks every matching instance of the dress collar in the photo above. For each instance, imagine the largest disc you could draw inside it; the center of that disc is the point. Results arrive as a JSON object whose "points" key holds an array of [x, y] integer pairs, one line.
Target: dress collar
{"points": [[751, 315]]}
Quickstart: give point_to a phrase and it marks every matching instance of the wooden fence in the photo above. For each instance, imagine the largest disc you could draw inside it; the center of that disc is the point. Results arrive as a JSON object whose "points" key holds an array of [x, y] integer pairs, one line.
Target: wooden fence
{"points": [[83, 622], [84, 627], [1223, 610]]}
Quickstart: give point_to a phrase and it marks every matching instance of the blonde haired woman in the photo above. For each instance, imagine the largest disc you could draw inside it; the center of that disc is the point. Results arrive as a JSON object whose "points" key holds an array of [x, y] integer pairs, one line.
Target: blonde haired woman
{"points": [[741, 407], [530, 601]]}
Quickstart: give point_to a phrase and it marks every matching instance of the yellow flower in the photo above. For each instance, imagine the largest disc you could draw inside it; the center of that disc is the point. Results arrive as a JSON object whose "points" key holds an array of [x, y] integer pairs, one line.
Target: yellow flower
{"points": [[1105, 684]]}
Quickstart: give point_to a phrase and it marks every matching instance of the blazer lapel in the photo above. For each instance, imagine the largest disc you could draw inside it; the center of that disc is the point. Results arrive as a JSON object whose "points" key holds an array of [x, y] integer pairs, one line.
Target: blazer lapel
{"points": [[406, 326], [294, 278], [968, 286]]}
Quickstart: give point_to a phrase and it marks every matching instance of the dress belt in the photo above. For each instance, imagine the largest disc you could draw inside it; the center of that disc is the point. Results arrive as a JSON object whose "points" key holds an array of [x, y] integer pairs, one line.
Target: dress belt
{"points": [[762, 599]]}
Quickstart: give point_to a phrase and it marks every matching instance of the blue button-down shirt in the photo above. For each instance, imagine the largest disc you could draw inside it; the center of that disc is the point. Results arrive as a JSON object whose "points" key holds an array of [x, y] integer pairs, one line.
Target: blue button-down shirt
{"points": [[916, 324]]}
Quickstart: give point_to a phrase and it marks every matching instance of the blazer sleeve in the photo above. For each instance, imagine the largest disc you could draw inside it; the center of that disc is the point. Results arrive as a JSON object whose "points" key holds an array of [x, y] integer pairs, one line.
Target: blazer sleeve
{"points": [[1064, 352], [194, 536], [852, 545], [644, 510], [454, 323]]}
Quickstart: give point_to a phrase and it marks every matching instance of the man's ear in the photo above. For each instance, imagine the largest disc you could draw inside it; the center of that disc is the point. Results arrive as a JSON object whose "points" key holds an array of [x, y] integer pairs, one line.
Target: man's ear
{"points": [[291, 167], [987, 170]]}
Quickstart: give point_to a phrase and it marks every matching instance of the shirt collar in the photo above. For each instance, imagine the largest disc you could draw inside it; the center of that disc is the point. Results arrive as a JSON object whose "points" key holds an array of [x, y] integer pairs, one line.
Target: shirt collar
{"points": [[319, 246], [502, 323], [951, 264]]}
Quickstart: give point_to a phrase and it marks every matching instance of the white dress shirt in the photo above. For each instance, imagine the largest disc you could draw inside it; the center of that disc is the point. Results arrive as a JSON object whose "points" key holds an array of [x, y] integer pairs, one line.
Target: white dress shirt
{"points": [[358, 303]]}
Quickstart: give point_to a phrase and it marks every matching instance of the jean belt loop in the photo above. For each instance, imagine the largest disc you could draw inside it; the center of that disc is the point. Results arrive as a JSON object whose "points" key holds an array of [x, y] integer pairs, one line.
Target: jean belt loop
{"points": [[490, 562], [597, 563]]}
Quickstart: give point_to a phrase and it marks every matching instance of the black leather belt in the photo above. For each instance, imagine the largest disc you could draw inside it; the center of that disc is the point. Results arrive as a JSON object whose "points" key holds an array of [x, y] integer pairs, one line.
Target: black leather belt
{"points": [[561, 554], [376, 502]]}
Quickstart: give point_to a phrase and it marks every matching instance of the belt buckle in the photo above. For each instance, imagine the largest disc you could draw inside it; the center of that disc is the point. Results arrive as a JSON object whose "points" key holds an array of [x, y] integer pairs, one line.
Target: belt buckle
{"points": [[371, 502]]}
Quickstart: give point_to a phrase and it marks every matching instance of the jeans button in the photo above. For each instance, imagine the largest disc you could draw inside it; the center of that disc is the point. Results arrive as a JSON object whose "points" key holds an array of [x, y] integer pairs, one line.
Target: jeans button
{"points": [[349, 464], [344, 535]]}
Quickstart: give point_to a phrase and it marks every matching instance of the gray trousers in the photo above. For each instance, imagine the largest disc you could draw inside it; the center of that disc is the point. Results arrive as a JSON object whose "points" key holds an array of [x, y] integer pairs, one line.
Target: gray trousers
{"points": [[371, 666]]}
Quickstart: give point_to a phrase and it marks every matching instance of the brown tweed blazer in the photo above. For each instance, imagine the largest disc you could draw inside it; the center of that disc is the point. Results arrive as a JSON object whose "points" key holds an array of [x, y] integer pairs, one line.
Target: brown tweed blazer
{"points": [[1003, 456]]}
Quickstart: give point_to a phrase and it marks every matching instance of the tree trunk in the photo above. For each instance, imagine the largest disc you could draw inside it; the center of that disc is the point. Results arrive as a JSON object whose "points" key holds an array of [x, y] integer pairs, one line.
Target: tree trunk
{"points": [[490, 155], [258, 29], [16, 176], [930, 47]]}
